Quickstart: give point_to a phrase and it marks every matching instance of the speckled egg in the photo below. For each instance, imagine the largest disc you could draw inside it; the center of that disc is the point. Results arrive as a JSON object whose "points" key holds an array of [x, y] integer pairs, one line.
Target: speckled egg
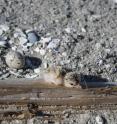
{"points": [[15, 60]]}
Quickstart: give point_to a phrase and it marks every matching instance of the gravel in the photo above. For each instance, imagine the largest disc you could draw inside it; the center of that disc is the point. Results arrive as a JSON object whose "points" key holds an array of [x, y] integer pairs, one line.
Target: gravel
{"points": [[76, 34]]}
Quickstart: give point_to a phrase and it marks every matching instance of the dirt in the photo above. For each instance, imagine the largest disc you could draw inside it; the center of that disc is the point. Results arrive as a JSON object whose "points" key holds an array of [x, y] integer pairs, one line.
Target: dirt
{"points": [[87, 29]]}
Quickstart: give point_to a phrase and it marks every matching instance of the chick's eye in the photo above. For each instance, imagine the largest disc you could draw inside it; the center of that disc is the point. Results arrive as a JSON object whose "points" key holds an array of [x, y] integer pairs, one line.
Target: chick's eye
{"points": [[72, 84]]}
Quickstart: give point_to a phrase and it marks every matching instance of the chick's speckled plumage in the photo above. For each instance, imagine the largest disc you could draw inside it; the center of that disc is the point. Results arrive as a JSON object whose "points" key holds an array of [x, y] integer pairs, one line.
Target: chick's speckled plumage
{"points": [[59, 77], [71, 79], [53, 76]]}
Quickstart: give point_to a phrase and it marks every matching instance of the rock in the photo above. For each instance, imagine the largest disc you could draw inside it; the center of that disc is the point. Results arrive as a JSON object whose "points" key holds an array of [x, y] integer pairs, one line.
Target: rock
{"points": [[32, 36], [45, 41], [99, 120], [1, 32], [3, 38], [3, 43], [31, 76], [19, 33], [36, 49], [25, 48], [5, 75], [64, 54], [29, 44], [14, 48], [53, 44], [23, 41], [4, 27], [15, 60], [97, 46], [100, 62], [37, 70], [68, 30], [42, 52]]}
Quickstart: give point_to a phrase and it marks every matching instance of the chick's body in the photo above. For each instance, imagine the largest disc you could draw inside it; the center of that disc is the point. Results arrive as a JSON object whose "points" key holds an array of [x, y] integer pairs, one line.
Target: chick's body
{"points": [[56, 77]]}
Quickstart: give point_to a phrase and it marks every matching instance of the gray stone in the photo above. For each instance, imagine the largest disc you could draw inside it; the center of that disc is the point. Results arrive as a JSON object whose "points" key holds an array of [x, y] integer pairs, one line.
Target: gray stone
{"points": [[32, 36]]}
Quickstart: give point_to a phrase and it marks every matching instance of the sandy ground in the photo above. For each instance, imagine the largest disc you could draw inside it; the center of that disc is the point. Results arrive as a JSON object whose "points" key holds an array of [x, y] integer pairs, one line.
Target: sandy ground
{"points": [[88, 33]]}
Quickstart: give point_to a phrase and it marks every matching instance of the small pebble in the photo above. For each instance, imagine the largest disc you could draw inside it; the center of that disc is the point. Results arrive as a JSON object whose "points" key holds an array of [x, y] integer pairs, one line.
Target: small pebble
{"points": [[23, 40], [64, 54], [107, 66], [19, 33], [14, 48], [44, 41], [31, 76], [1, 31], [37, 70], [68, 30], [45, 64], [83, 30], [15, 60], [25, 48], [5, 75], [42, 52], [32, 36], [29, 44], [97, 46], [53, 44], [100, 62], [4, 27], [3, 43], [99, 120], [36, 49]]}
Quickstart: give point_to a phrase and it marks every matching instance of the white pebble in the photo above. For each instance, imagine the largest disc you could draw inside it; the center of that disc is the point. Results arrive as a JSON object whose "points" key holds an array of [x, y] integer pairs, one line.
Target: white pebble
{"points": [[23, 40], [29, 44], [19, 33], [14, 48], [45, 65], [68, 30], [99, 120], [100, 62], [25, 48], [53, 44], [36, 49], [45, 40], [1, 31], [42, 52], [37, 70], [11, 41], [64, 54], [31, 76], [107, 66], [107, 50], [4, 27], [83, 30], [3, 43], [97, 45]]}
